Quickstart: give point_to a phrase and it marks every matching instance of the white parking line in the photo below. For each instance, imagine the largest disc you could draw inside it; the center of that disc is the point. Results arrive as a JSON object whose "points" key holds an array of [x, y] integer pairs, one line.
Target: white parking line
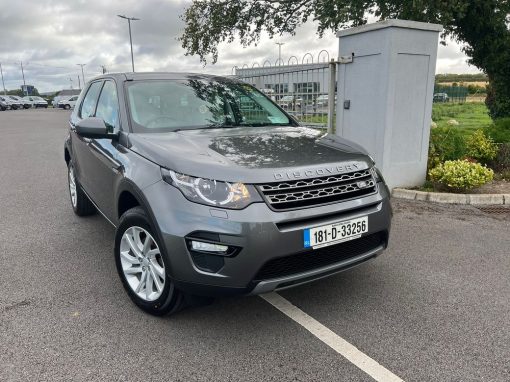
{"points": [[334, 341]]}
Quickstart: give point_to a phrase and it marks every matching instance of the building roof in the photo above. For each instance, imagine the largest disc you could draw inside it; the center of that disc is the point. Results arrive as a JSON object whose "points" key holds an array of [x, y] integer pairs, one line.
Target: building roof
{"points": [[69, 92]]}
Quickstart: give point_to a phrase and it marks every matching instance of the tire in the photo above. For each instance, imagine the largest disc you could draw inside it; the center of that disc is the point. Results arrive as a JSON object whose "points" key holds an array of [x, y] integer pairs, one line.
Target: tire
{"points": [[132, 261], [80, 203], [67, 107]]}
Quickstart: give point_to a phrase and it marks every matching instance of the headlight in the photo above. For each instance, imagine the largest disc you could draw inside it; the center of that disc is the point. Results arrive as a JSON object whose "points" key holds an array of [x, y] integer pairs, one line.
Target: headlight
{"points": [[212, 192]]}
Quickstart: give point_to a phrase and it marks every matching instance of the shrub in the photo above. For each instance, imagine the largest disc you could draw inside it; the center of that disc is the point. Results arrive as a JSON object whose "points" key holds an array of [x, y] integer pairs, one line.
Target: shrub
{"points": [[461, 175], [502, 160], [499, 130], [446, 143], [481, 147]]}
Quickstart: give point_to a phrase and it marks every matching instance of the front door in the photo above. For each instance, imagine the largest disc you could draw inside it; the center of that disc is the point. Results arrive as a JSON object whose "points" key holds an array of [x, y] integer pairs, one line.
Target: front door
{"points": [[104, 166]]}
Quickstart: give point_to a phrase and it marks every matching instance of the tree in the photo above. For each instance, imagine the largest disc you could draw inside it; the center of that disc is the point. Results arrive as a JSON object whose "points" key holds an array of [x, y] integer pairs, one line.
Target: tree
{"points": [[481, 25]]}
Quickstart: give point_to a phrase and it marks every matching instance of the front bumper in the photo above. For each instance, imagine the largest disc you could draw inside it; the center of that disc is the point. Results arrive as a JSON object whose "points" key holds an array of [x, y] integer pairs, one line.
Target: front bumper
{"points": [[260, 233]]}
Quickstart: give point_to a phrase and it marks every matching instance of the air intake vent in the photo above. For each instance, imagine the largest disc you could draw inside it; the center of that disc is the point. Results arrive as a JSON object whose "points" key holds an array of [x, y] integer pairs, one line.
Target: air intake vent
{"points": [[310, 260]]}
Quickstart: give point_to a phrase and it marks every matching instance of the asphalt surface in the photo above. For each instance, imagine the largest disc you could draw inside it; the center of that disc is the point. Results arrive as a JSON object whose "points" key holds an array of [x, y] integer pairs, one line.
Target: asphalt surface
{"points": [[434, 307]]}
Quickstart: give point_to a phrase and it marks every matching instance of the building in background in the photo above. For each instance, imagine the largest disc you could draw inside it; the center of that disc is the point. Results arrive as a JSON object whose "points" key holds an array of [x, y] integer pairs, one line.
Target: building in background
{"points": [[306, 81]]}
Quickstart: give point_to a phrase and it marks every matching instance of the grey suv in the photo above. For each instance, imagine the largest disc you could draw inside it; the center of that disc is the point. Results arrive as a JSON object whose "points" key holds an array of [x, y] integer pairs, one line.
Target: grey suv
{"points": [[215, 190]]}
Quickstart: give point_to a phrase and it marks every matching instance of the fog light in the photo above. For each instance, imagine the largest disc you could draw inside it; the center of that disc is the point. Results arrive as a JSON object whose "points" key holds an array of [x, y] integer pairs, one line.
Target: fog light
{"points": [[208, 247]]}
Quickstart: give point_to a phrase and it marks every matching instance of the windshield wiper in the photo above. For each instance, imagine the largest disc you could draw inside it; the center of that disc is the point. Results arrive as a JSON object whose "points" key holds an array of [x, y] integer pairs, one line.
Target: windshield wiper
{"points": [[218, 126], [265, 124], [207, 127]]}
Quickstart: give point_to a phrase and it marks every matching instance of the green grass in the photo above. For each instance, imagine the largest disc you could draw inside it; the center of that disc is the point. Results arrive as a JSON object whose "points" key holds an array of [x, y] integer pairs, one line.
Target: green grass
{"points": [[471, 116]]}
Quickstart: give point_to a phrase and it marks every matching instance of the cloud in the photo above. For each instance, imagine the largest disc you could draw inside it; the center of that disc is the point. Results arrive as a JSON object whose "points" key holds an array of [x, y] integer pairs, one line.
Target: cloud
{"points": [[52, 36]]}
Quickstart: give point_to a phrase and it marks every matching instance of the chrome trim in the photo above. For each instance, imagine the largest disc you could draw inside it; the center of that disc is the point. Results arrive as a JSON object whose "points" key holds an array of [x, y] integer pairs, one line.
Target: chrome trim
{"points": [[328, 180], [307, 193]]}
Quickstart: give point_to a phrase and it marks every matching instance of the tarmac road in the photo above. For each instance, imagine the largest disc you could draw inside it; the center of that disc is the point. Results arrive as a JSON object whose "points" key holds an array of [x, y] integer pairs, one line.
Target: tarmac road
{"points": [[434, 307]]}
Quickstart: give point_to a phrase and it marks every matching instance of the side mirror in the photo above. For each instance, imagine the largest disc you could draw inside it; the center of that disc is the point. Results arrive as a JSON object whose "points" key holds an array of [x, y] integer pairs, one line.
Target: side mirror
{"points": [[93, 127]]}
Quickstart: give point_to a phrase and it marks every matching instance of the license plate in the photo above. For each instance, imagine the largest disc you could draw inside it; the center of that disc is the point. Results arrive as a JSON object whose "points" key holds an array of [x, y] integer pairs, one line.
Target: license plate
{"points": [[335, 233]]}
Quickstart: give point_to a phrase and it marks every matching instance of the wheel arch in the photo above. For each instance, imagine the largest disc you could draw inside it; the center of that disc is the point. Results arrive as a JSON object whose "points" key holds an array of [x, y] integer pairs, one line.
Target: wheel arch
{"points": [[67, 155], [130, 192], [129, 195]]}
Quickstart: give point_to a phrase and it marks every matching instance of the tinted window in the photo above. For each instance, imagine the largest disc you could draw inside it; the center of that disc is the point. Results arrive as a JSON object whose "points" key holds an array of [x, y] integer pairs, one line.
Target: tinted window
{"points": [[89, 103], [107, 106]]}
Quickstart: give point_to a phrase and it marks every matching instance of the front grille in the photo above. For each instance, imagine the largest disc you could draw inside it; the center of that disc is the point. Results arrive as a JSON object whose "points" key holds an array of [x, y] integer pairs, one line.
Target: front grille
{"points": [[311, 192], [313, 259]]}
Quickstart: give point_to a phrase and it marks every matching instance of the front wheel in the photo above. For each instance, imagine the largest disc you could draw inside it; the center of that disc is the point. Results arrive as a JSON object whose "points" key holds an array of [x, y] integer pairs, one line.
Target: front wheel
{"points": [[67, 107], [141, 265]]}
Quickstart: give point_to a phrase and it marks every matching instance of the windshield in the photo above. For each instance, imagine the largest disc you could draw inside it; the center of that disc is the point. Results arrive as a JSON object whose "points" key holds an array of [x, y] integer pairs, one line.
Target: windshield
{"points": [[169, 105]]}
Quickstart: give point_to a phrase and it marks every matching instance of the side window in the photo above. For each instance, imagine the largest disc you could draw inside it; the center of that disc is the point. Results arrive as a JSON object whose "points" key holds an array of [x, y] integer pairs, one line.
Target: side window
{"points": [[108, 106], [89, 102]]}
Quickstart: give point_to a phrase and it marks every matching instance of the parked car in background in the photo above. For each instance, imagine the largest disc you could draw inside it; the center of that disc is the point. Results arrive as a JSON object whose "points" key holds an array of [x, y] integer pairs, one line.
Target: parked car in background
{"points": [[211, 199], [290, 102], [3, 105], [441, 97], [36, 101], [269, 92], [59, 98], [24, 103], [5, 102], [322, 100], [14, 105], [68, 103]]}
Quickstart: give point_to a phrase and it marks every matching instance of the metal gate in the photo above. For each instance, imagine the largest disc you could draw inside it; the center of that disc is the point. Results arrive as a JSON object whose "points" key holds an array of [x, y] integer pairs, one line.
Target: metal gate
{"points": [[302, 89]]}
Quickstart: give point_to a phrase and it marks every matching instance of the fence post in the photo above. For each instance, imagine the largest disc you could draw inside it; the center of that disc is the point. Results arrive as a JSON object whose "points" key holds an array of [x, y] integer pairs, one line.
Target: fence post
{"points": [[331, 96]]}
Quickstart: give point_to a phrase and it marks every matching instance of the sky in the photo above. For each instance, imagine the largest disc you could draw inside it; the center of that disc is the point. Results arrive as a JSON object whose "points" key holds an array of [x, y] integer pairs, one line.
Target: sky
{"points": [[51, 37]]}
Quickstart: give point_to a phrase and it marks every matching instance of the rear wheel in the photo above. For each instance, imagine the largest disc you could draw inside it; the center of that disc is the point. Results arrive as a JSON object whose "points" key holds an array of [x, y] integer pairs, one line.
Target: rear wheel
{"points": [[81, 204], [141, 265]]}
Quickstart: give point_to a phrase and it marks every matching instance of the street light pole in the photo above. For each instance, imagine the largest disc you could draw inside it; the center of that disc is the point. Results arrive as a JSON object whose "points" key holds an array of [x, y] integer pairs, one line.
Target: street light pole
{"points": [[280, 52], [82, 75], [3, 83], [129, 19], [23, 74]]}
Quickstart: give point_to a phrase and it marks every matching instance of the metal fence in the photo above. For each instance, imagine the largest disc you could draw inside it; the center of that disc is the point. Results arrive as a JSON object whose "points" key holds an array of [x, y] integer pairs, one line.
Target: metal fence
{"points": [[301, 88], [444, 94]]}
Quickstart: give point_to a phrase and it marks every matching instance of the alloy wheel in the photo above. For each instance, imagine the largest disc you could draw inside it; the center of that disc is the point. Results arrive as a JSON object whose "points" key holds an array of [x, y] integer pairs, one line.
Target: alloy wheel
{"points": [[72, 186], [142, 263]]}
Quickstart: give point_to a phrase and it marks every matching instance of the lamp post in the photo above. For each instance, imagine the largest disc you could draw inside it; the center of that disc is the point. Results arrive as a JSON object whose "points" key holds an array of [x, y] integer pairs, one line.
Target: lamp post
{"points": [[280, 52], [82, 75], [129, 19], [3, 83], [23, 74]]}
